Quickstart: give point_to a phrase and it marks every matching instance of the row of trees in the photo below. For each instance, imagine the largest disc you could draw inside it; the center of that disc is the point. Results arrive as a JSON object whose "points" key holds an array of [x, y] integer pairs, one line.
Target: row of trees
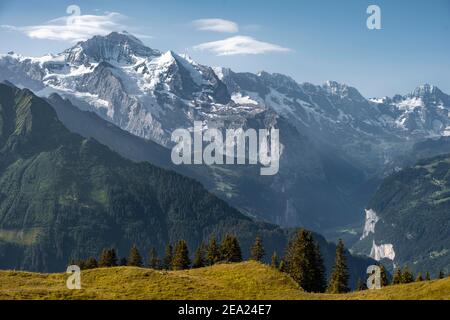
{"points": [[177, 257], [406, 276], [302, 261], [401, 276]]}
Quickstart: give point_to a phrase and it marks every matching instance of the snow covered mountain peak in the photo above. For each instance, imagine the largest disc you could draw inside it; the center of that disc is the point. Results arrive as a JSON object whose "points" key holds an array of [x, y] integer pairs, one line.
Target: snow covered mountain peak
{"points": [[120, 47], [427, 92], [342, 90], [221, 72], [149, 93]]}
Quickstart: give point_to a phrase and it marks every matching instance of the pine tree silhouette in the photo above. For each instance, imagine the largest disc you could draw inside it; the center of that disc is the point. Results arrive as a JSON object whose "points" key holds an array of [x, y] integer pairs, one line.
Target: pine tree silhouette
{"points": [[383, 275], [134, 259], [407, 276], [230, 250], [181, 259], [274, 261], [153, 260], [398, 276], [212, 252], [304, 262], [91, 263], [257, 251], [199, 257], [108, 258], [339, 276]]}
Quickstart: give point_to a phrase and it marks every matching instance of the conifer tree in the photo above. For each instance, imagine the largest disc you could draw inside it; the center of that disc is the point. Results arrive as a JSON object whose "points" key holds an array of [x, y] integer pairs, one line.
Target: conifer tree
{"points": [[153, 260], [82, 264], [319, 279], [419, 277], [230, 251], [398, 276], [274, 261], [108, 258], [383, 276], [257, 250], [298, 265], [407, 276], [168, 258], [199, 257], [304, 262], [181, 259], [212, 252], [134, 259], [283, 267], [91, 263], [360, 285], [339, 276]]}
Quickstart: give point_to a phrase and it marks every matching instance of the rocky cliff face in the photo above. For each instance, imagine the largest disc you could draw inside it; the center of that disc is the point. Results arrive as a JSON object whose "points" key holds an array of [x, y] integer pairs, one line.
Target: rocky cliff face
{"points": [[409, 220]]}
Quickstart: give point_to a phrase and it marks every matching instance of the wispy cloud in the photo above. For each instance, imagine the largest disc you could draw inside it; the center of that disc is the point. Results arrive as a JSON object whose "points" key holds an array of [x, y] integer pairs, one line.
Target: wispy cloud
{"points": [[217, 25], [240, 45], [73, 28]]}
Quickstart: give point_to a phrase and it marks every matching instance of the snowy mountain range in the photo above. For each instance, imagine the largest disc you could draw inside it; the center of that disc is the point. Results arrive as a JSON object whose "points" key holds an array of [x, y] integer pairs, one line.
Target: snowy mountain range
{"points": [[335, 141]]}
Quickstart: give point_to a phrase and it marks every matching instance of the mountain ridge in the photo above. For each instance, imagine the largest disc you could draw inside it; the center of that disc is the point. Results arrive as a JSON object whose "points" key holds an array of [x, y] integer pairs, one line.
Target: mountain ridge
{"points": [[149, 94]]}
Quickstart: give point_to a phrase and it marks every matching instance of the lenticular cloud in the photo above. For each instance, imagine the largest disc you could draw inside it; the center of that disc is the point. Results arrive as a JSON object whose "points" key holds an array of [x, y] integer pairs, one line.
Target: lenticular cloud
{"points": [[73, 28], [240, 45]]}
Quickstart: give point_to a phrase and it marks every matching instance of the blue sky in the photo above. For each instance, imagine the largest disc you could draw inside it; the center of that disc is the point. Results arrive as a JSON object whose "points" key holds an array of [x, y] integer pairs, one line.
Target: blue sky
{"points": [[311, 41]]}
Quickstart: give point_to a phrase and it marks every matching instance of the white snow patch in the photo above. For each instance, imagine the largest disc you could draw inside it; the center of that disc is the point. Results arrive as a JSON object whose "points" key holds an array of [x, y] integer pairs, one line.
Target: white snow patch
{"points": [[239, 99], [446, 132], [410, 104]]}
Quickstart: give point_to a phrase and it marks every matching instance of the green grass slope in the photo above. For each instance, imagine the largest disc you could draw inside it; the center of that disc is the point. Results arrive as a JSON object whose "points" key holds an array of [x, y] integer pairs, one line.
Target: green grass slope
{"points": [[247, 281]]}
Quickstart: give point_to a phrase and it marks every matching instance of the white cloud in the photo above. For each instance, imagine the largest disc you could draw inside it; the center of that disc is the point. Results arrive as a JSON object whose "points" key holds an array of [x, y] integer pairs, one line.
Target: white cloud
{"points": [[73, 28], [217, 25], [240, 45]]}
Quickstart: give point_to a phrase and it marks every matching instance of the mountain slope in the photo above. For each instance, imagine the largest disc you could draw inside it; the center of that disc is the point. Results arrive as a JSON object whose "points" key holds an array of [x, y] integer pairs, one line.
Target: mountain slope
{"points": [[409, 215], [89, 125], [335, 141], [63, 196], [246, 281], [241, 186]]}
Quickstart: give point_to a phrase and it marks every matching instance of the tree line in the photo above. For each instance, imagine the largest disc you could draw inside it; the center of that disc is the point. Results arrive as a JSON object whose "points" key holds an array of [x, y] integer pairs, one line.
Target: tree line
{"points": [[302, 261], [401, 276]]}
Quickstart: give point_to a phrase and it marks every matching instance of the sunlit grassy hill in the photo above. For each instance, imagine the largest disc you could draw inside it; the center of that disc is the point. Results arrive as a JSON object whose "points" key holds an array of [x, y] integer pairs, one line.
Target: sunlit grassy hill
{"points": [[247, 280]]}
